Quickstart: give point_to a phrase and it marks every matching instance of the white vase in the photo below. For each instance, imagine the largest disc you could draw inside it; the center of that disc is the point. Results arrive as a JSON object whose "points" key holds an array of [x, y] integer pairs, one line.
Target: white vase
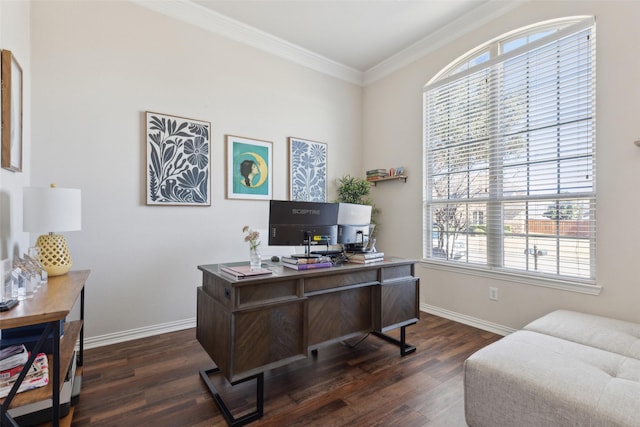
{"points": [[255, 259]]}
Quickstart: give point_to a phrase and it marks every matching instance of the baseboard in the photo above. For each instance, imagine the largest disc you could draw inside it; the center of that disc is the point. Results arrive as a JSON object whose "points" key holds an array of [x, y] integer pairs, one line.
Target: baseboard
{"points": [[133, 334], [467, 320]]}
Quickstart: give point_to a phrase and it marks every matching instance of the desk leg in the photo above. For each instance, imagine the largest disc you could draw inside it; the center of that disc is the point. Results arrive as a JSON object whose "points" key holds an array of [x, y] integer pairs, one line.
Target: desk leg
{"points": [[231, 420], [404, 347]]}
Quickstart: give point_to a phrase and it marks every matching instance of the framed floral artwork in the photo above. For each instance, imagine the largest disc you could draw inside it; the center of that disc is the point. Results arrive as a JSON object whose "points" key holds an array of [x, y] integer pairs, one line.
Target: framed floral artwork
{"points": [[307, 170], [11, 112], [249, 168], [178, 160]]}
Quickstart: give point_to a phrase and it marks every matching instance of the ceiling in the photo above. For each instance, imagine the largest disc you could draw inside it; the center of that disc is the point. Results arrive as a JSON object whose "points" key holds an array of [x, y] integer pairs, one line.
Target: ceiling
{"points": [[357, 33], [356, 40]]}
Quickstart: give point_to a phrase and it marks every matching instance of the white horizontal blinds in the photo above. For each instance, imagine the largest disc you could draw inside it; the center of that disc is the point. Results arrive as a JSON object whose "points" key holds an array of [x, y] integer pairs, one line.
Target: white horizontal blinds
{"points": [[511, 161], [545, 140], [457, 138]]}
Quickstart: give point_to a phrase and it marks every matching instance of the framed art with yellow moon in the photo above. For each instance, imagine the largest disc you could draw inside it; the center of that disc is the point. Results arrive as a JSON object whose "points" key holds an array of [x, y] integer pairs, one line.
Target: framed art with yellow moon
{"points": [[178, 160], [249, 168]]}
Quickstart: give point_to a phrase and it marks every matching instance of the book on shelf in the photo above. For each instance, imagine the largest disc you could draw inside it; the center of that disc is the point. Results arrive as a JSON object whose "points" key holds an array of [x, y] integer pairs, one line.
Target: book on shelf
{"points": [[244, 271], [38, 376], [366, 261], [303, 260], [309, 266], [12, 356], [366, 255], [11, 372]]}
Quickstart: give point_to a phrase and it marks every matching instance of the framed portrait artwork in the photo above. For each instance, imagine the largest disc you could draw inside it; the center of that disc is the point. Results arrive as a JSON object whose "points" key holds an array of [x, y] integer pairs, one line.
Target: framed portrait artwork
{"points": [[178, 160], [249, 168], [11, 112], [307, 170]]}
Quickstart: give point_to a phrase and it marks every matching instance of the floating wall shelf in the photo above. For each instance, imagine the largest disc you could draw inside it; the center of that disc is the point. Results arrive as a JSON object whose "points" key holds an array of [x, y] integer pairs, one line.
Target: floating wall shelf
{"points": [[389, 178]]}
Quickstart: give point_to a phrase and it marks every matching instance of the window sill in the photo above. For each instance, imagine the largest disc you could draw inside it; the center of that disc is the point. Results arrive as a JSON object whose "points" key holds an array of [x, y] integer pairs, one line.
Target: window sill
{"points": [[547, 282]]}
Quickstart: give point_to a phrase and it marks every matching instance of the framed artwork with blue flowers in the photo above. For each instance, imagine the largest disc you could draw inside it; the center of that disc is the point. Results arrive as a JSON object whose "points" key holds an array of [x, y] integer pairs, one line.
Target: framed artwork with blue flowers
{"points": [[178, 160], [307, 170], [249, 168]]}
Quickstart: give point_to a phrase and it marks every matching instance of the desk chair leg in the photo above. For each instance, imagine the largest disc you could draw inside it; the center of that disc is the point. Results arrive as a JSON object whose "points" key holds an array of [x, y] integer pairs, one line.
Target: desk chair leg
{"points": [[404, 347], [231, 420]]}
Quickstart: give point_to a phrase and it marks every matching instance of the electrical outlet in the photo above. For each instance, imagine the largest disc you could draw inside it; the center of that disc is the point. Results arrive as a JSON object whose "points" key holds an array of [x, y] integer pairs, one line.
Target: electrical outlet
{"points": [[493, 294]]}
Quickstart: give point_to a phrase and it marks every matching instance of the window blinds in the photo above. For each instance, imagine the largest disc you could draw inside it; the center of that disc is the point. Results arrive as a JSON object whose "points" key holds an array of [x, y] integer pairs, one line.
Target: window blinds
{"points": [[510, 159]]}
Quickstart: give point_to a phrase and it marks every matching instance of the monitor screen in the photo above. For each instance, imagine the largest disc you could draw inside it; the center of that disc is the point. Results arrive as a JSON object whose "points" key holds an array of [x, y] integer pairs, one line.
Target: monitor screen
{"points": [[294, 223], [352, 214], [353, 224]]}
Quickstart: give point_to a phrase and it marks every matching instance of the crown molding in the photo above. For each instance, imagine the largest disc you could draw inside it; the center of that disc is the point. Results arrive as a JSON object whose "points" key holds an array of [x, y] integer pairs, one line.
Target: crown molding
{"points": [[466, 23], [206, 19], [217, 23]]}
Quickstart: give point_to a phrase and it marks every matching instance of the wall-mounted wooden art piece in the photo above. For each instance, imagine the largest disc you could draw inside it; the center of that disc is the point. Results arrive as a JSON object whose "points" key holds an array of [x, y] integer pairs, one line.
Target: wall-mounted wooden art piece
{"points": [[11, 112]]}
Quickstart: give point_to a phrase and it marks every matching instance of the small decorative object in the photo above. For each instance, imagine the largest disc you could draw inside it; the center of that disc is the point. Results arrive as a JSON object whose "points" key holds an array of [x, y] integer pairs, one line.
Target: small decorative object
{"points": [[52, 210], [249, 168], [252, 236], [178, 161], [11, 112], [307, 170]]}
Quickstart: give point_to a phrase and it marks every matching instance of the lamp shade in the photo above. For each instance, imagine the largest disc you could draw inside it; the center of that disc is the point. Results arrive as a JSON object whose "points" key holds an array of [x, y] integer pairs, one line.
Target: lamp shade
{"points": [[51, 209]]}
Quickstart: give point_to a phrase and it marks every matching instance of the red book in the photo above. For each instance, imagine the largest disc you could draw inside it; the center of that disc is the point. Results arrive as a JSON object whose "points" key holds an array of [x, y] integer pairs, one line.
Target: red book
{"points": [[8, 373]]}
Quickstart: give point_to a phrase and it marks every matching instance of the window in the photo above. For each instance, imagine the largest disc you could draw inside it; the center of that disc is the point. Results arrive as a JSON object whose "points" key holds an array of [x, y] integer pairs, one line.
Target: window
{"points": [[509, 156]]}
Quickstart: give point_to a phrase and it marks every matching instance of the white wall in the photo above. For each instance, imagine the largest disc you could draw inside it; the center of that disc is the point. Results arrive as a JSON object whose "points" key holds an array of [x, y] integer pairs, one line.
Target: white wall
{"points": [[14, 36], [97, 67], [393, 133]]}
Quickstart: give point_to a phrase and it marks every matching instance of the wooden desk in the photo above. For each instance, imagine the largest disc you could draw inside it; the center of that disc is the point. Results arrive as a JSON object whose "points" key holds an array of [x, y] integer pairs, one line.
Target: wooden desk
{"points": [[249, 326], [50, 304]]}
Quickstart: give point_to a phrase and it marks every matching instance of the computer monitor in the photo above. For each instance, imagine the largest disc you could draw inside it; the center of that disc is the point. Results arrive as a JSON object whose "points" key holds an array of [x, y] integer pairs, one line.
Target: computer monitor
{"points": [[353, 225], [295, 223]]}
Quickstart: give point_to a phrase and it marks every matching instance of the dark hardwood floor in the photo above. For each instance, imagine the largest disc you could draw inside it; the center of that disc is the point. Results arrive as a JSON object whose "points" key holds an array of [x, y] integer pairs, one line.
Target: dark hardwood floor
{"points": [[155, 382]]}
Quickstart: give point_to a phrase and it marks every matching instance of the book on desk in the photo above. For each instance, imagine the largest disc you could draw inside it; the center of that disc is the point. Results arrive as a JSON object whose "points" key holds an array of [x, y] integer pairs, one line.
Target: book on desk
{"points": [[311, 266], [244, 271]]}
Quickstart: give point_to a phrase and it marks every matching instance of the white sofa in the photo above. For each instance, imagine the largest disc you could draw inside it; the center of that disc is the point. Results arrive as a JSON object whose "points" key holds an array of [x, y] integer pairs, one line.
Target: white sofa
{"points": [[564, 369]]}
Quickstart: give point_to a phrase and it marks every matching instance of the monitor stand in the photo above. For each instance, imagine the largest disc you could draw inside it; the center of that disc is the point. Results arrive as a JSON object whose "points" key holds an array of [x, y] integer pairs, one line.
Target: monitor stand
{"points": [[305, 256]]}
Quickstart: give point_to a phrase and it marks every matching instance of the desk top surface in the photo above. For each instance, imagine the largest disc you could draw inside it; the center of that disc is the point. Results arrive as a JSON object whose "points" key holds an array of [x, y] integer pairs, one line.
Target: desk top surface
{"points": [[52, 301], [280, 271]]}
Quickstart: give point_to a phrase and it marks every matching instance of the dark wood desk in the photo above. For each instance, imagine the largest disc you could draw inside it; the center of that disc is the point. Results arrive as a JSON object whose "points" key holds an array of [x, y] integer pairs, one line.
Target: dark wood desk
{"points": [[248, 326], [50, 304]]}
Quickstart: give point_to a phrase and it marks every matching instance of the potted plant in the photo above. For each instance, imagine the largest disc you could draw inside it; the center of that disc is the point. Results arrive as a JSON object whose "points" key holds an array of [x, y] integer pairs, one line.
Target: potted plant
{"points": [[356, 190]]}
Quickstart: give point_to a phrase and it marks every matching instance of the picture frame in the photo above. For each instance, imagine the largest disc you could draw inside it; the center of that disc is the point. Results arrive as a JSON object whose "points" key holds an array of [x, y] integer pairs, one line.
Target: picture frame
{"points": [[178, 164], [11, 112], [249, 168], [307, 170]]}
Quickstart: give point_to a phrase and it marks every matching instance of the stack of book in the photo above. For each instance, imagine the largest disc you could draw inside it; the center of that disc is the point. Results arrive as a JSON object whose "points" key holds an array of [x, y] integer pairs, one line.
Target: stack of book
{"points": [[239, 272], [366, 257], [12, 361], [375, 174], [297, 263]]}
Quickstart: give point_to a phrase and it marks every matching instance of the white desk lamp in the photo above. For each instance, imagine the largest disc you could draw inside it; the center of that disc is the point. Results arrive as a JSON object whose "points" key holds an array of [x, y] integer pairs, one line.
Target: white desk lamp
{"points": [[52, 210]]}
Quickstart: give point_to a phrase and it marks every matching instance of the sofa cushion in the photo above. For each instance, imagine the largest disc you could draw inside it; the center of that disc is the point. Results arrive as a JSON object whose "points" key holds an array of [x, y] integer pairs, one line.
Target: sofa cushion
{"points": [[604, 333], [533, 379]]}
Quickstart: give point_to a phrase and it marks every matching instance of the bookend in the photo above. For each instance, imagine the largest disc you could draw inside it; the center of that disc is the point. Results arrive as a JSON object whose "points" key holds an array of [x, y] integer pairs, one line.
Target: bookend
{"points": [[231, 420]]}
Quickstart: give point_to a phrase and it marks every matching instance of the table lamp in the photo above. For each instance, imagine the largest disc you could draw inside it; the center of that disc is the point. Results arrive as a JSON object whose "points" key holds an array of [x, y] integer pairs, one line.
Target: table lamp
{"points": [[52, 210]]}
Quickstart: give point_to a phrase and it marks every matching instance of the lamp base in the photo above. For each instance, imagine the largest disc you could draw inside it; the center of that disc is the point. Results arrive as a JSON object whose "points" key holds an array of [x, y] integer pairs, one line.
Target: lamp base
{"points": [[54, 254]]}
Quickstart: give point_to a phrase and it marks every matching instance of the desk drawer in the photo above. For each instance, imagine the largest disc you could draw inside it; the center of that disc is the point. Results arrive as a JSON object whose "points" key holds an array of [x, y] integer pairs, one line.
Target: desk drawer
{"points": [[338, 280], [397, 271], [261, 293]]}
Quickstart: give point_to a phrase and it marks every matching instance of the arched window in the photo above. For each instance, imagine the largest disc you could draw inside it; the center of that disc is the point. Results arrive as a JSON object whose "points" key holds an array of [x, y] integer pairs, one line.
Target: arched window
{"points": [[509, 156]]}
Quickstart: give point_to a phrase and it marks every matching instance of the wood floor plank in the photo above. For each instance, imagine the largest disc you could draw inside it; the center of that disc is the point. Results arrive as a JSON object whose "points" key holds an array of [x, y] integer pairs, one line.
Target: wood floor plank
{"points": [[155, 382]]}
